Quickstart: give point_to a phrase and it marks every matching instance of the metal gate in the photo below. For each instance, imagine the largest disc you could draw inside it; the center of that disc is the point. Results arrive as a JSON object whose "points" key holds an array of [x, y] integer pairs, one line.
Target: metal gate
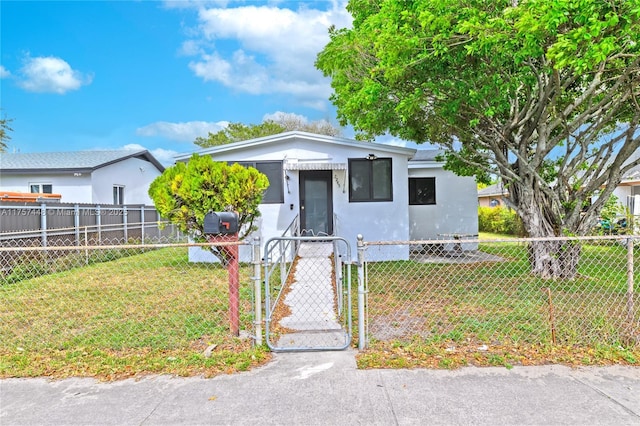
{"points": [[307, 293]]}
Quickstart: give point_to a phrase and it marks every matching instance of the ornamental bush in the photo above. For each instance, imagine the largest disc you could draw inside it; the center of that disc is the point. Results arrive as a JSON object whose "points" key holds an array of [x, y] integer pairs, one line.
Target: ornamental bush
{"points": [[185, 193], [499, 220]]}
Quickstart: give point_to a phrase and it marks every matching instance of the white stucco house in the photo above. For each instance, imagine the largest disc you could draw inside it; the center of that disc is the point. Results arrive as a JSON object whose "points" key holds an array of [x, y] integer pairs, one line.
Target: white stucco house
{"points": [[342, 187], [95, 177]]}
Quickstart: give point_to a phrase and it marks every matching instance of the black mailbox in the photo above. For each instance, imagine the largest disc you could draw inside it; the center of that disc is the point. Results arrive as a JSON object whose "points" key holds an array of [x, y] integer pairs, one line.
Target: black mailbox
{"points": [[222, 223]]}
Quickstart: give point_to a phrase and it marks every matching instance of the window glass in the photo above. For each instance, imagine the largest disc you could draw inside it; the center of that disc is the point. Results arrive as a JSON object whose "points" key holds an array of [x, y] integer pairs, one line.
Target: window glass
{"points": [[273, 170], [422, 191], [41, 188], [370, 180], [359, 179], [118, 194], [381, 179]]}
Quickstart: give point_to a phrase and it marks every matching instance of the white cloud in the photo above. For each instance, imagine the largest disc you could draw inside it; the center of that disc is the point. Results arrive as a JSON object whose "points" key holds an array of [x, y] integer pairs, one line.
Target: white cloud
{"points": [[51, 75], [4, 73], [164, 156], [274, 49], [280, 116], [183, 132]]}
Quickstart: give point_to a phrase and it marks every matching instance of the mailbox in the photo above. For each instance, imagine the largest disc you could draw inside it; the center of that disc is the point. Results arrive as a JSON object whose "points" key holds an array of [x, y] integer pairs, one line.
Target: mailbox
{"points": [[221, 223]]}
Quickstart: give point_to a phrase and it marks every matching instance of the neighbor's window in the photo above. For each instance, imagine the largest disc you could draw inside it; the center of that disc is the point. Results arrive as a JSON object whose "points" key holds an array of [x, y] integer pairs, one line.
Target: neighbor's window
{"points": [[273, 170], [422, 191], [41, 188], [370, 180], [118, 194]]}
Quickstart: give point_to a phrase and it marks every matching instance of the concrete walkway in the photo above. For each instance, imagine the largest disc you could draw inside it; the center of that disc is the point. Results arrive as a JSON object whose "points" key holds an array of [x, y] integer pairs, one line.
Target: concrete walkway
{"points": [[313, 321], [325, 388]]}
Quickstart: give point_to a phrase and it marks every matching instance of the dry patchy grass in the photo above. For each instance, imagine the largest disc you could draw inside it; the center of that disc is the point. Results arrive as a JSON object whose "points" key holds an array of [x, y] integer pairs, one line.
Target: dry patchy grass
{"points": [[140, 314]]}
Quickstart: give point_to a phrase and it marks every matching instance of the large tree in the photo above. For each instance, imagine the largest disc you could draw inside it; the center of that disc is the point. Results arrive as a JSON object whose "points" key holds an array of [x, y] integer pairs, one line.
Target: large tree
{"points": [[543, 94], [236, 132]]}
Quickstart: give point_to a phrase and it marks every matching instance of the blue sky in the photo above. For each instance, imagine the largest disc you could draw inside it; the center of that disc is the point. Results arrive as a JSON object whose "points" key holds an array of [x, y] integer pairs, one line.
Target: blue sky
{"points": [[83, 75]]}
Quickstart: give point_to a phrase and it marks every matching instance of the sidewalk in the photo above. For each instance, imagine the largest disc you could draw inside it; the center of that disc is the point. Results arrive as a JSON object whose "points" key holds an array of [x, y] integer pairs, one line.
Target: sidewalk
{"points": [[325, 388]]}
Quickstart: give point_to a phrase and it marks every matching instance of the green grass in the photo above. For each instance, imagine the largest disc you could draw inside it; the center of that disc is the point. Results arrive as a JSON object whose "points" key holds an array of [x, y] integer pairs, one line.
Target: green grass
{"points": [[150, 312]]}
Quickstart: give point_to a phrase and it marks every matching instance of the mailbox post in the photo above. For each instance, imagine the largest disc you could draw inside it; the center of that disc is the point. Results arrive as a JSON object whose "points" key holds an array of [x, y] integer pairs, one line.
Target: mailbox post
{"points": [[222, 227]]}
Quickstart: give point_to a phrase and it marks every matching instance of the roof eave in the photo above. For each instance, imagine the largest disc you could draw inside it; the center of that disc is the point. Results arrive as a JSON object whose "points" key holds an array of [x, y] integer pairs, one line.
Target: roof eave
{"points": [[295, 134]]}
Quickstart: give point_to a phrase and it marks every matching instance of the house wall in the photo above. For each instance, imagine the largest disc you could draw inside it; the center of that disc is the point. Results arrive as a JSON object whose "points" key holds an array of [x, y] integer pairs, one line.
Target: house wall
{"points": [[134, 174], [485, 201], [456, 208], [96, 187], [74, 187]]}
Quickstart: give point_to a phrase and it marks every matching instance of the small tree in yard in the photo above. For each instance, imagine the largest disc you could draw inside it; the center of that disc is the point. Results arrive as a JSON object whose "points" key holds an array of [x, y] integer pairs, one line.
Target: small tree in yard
{"points": [[185, 193], [543, 94]]}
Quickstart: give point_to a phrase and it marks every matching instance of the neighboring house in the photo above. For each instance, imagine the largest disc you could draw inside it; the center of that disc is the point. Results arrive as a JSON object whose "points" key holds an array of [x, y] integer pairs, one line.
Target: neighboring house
{"points": [[627, 192], [493, 196], [96, 177], [342, 187]]}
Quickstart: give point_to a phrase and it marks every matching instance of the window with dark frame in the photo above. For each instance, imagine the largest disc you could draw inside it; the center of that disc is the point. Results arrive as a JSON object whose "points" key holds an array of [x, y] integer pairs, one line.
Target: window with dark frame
{"points": [[370, 180], [422, 191], [274, 194]]}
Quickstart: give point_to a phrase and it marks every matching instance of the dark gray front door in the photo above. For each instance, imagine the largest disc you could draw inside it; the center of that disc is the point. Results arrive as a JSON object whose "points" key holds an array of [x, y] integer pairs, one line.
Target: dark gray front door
{"points": [[316, 208]]}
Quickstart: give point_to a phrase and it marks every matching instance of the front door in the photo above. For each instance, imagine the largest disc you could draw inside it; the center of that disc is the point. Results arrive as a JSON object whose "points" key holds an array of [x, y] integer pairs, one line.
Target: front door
{"points": [[316, 208]]}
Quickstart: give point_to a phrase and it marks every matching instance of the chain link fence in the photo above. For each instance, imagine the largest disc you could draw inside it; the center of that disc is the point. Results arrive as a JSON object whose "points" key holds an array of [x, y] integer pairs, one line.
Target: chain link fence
{"points": [[123, 302], [484, 292], [121, 299], [308, 294]]}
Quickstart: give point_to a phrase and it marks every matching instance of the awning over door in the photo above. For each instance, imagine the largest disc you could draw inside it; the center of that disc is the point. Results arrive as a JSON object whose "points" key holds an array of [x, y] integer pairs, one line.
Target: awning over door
{"points": [[314, 165]]}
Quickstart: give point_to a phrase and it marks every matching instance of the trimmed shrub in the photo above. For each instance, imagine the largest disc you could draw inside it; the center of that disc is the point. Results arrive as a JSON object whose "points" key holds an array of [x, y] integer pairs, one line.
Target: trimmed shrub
{"points": [[499, 220]]}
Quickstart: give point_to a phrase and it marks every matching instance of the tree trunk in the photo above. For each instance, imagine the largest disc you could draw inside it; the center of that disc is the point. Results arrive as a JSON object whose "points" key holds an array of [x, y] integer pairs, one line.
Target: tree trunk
{"points": [[554, 259], [549, 258]]}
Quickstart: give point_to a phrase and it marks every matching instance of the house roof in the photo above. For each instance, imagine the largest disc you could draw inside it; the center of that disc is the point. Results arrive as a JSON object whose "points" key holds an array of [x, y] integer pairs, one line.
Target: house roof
{"points": [[493, 190], [280, 137], [86, 161], [427, 155]]}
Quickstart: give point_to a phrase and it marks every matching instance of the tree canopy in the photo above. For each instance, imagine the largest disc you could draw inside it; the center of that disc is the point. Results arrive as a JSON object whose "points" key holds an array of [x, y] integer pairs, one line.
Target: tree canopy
{"points": [[543, 94], [236, 132], [5, 128], [185, 193]]}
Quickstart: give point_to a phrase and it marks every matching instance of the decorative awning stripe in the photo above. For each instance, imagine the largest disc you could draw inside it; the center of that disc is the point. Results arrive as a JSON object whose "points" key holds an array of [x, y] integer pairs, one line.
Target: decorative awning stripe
{"points": [[316, 165]]}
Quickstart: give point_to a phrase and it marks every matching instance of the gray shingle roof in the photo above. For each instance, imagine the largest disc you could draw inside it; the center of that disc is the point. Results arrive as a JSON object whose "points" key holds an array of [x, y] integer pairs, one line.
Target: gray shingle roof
{"points": [[493, 190], [427, 155], [74, 160]]}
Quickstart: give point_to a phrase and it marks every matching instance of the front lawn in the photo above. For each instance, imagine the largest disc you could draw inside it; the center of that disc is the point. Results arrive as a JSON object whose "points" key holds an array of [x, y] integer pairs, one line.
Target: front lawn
{"points": [[152, 312], [496, 313]]}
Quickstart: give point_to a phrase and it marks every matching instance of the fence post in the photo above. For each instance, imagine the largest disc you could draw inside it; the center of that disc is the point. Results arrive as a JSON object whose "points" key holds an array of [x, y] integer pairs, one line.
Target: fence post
{"points": [[630, 307], [86, 245], [257, 291], [124, 223], [142, 219], [76, 223], [362, 340], [99, 224], [283, 263], [43, 224]]}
